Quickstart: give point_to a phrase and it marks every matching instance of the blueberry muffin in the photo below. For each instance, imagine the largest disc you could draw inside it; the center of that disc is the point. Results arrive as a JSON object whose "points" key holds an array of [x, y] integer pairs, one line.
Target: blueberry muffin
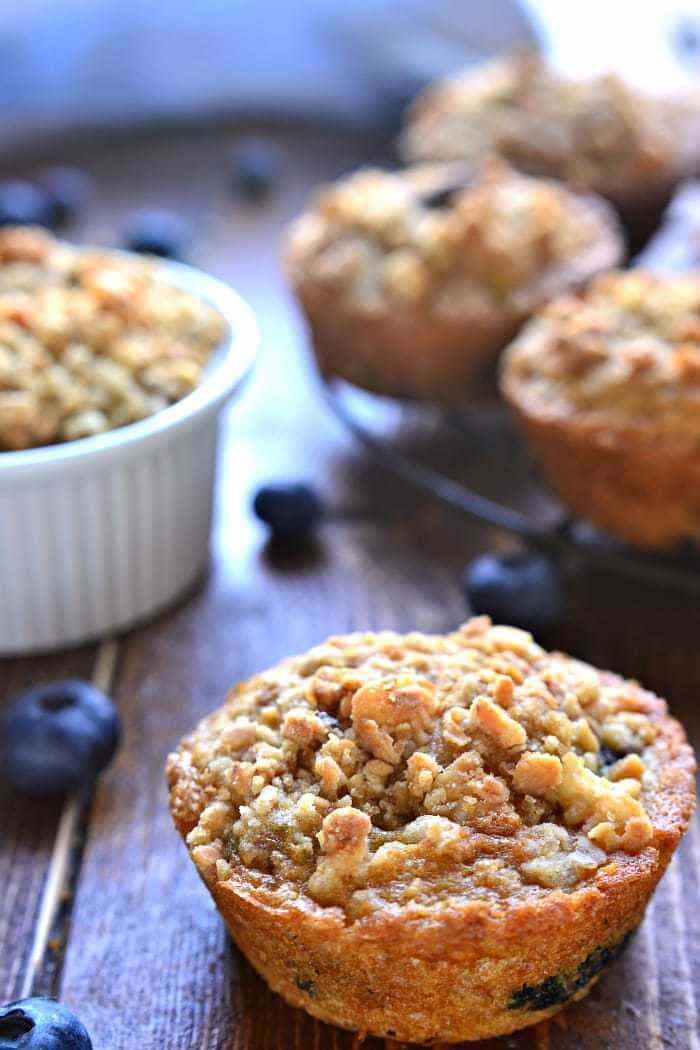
{"points": [[91, 340], [600, 134], [607, 387], [413, 282], [433, 838]]}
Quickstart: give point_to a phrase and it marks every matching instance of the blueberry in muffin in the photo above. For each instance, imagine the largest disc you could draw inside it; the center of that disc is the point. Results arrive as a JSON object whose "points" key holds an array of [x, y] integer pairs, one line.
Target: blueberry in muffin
{"points": [[433, 837], [412, 282], [607, 387]]}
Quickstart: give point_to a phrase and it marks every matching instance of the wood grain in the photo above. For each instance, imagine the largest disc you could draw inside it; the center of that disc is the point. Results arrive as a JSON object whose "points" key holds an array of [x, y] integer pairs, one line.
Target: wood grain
{"points": [[27, 828], [147, 963]]}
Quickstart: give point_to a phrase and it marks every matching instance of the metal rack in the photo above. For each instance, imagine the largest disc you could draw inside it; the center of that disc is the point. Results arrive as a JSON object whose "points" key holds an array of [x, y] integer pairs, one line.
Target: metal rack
{"points": [[561, 536]]}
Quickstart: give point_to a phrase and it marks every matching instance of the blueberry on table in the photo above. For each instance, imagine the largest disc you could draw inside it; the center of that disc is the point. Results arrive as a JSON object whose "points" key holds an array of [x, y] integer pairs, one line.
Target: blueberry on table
{"points": [[69, 189], [24, 204], [523, 590], [290, 511], [156, 231], [255, 165], [55, 737], [41, 1024]]}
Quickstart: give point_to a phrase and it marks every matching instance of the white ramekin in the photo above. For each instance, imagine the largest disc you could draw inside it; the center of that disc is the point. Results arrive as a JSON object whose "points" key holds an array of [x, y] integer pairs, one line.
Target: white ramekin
{"points": [[101, 533]]}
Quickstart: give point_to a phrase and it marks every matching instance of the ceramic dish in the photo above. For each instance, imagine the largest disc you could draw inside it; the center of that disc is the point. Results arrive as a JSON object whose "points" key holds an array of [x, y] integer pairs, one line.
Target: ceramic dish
{"points": [[100, 533]]}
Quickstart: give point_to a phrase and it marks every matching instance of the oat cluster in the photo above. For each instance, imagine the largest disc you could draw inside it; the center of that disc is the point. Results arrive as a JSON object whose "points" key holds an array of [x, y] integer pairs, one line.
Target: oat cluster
{"points": [[597, 134], [627, 349], [382, 769], [90, 340], [378, 239]]}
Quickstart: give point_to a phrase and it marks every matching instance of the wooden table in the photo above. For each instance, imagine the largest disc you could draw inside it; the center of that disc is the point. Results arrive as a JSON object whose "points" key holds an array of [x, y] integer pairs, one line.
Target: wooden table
{"points": [[100, 904]]}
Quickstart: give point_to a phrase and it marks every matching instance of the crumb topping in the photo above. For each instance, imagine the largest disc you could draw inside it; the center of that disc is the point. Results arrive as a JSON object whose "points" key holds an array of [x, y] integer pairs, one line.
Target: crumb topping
{"points": [[598, 134], [627, 349], [381, 238], [379, 769], [91, 340]]}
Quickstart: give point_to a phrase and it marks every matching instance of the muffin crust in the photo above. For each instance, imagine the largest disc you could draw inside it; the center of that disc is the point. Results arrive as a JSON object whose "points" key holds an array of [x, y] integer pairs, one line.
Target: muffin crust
{"points": [[494, 814], [608, 388], [412, 282]]}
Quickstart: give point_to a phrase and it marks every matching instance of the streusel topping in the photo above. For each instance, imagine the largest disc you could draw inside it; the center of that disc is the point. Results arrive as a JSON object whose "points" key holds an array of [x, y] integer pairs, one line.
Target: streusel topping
{"points": [[379, 769], [597, 134], [381, 238], [628, 349], [91, 340]]}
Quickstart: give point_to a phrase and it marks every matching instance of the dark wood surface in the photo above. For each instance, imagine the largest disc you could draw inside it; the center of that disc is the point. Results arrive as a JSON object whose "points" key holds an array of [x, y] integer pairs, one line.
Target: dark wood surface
{"points": [[138, 949]]}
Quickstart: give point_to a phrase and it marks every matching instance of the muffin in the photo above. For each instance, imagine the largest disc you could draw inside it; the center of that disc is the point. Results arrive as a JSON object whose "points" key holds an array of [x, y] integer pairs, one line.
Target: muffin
{"points": [[607, 387], [91, 340], [600, 134], [412, 282], [433, 837]]}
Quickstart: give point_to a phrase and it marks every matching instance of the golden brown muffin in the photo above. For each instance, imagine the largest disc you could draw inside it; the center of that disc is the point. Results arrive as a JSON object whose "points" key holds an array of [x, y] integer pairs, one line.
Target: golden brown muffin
{"points": [[91, 340], [433, 837], [607, 387], [411, 290], [601, 134]]}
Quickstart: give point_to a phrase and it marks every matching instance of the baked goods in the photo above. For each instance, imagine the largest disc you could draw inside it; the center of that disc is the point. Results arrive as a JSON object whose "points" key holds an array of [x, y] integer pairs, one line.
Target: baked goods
{"points": [[91, 340], [412, 282], [433, 837], [607, 387], [600, 134]]}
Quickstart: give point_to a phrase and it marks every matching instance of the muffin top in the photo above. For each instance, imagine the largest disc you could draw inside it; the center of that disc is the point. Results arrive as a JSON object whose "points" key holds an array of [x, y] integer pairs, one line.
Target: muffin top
{"points": [[380, 770], [626, 351], [436, 239], [597, 134], [91, 340]]}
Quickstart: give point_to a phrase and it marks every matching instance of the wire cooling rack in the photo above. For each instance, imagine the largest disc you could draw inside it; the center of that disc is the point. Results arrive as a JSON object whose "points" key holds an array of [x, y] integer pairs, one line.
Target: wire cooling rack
{"points": [[414, 442]]}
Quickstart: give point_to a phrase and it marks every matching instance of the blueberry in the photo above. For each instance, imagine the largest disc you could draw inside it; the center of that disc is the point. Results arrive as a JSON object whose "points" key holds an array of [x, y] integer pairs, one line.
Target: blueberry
{"points": [[290, 511], [69, 189], [155, 231], [443, 196], [523, 590], [24, 204], [41, 1024], [255, 165], [55, 737]]}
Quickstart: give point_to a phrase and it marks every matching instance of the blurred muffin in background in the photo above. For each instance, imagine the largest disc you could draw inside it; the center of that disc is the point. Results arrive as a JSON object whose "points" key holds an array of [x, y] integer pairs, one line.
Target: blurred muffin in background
{"points": [[433, 837], [412, 282], [599, 134], [607, 387]]}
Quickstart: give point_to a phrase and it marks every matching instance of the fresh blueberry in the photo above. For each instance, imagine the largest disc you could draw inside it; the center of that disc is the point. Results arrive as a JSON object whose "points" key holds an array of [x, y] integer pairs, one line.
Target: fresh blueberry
{"points": [[290, 511], [156, 231], [255, 164], [69, 189], [54, 737], [523, 590], [24, 204], [41, 1024]]}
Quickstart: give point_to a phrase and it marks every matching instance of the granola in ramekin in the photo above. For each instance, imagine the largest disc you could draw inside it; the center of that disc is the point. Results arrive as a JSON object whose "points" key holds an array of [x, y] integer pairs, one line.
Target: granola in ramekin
{"points": [[607, 386], [433, 837], [413, 281], [91, 340]]}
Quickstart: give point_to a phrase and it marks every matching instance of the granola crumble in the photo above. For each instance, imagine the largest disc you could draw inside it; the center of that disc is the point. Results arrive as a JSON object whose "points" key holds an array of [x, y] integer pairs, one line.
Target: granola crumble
{"points": [[91, 340], [382, 769]]}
